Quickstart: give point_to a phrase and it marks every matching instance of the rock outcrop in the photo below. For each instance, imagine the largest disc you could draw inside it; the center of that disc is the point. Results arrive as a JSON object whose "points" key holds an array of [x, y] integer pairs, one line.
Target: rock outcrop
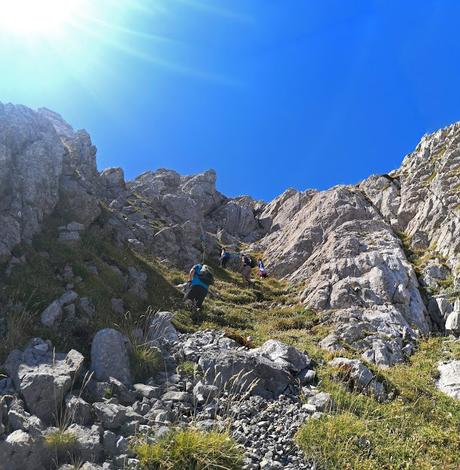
{"points": [[102, 417], [449, 378], [42, 377], [351, 249], [351, 263], [110, 356], [31, 162]]}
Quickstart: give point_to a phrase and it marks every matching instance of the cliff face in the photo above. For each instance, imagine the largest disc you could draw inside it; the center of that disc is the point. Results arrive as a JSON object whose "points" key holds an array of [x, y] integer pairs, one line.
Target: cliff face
{"points": [[380, 259], [31, 157]]}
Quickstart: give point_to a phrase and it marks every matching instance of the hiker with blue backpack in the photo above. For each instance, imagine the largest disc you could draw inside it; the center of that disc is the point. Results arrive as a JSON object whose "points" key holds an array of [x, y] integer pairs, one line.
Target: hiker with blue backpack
{"points": [[200, 278]]}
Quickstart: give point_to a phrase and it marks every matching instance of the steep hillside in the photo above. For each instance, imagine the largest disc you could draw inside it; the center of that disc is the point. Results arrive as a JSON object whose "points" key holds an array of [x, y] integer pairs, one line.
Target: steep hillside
{"points": [[334, 360]]}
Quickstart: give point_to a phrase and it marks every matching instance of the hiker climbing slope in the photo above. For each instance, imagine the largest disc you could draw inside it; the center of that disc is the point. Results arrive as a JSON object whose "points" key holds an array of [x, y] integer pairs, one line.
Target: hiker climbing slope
{"points": [[247, 263], [224, 258], [262, 271], [200, 278]]}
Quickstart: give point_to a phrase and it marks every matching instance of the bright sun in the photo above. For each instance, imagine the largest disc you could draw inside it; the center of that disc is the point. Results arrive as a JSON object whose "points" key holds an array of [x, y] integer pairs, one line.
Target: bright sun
{"points": [[37, 17]]}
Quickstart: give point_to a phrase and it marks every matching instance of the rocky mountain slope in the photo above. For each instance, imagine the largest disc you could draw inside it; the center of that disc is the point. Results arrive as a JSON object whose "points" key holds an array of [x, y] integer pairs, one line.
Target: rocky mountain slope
{"points": [[367, 271]]}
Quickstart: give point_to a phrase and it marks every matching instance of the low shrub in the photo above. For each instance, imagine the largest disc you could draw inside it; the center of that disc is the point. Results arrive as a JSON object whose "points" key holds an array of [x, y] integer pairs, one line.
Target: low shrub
{"points": [[146, 361], [61, 444], [190, 449], [187, 368]]}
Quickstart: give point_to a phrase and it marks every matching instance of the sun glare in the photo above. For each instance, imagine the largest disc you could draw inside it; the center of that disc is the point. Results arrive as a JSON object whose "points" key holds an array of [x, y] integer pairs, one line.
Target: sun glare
{"points": [[37, 17]]}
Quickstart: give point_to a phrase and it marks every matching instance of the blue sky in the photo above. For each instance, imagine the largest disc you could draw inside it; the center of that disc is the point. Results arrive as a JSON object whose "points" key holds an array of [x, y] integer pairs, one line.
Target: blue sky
{"points": [[270, 93]]}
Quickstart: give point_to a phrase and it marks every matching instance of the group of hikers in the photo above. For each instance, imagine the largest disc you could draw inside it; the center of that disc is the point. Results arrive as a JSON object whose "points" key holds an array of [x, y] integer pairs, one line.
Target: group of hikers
{"points": [[201, 276]]}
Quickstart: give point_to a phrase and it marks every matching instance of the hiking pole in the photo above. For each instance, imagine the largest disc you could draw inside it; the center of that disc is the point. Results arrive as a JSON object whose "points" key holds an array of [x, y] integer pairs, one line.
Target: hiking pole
{"points": [[203, 244]]}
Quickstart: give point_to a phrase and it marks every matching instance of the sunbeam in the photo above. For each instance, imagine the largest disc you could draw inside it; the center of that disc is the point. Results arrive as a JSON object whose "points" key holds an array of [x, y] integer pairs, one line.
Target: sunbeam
{"points": [[79, 34]]}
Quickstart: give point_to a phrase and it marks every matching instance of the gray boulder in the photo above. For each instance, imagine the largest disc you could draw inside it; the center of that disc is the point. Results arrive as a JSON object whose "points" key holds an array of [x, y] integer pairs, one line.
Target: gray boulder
{"points": [[283, 354], [110, 356], [449, 378], [147, 391], [55, 310], [239, 372], [359, 377], [51, 313], [113, 416], [42, 377], [321, 401], [88, 444], [453, 323], [20, 451], [177, 397], [78, 411], [115, 444], [19, 418], [161, 329], [204, 393]]}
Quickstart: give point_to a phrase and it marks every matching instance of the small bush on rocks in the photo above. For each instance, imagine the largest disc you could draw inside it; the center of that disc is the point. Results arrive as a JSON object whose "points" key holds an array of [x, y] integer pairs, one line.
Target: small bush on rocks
{"points": [[61, 444], [187, 368], [145, 361], [190, 449]]}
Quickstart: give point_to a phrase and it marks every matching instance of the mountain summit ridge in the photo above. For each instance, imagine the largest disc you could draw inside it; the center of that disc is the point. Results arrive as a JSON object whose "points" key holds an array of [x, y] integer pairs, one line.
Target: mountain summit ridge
{"points": [[362, 278], [382, 256]]}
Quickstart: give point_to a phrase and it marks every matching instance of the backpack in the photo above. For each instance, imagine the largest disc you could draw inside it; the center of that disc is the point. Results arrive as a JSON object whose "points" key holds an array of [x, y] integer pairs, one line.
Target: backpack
{"points": [[248, 261], [206, 277]]}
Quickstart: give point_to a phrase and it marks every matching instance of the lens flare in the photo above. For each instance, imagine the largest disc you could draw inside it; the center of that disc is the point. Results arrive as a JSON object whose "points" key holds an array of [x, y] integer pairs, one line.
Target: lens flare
{"points": [[38, 17]]}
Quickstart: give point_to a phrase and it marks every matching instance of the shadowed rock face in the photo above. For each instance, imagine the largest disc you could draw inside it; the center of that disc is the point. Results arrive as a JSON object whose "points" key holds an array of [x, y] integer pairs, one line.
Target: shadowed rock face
{"points": [[44, 166], [31, 159]]}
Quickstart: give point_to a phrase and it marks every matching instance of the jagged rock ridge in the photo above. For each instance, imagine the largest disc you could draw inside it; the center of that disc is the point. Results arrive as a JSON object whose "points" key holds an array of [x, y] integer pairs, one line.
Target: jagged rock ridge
{"points": [[378, 260], [342, 246]]}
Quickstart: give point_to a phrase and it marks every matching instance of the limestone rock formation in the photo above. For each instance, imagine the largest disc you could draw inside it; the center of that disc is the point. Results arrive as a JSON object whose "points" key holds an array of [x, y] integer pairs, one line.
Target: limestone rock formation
{"points": [[449, 378], [101, 431], [42, 377], [378, 260], [352, 263], [110, 357], [31, 162]]}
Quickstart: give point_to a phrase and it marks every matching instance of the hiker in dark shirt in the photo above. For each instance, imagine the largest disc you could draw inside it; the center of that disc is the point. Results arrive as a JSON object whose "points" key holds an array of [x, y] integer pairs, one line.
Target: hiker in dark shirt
{"points": [[200, 278], [246, 267], [224, 258]]}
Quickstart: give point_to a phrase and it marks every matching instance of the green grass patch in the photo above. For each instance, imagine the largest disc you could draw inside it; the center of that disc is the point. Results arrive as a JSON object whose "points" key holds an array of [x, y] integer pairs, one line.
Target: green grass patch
{"points": [[187, 368], [190, 449], [61, 444], [145, 362], [36, 283], [417, 429]]}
